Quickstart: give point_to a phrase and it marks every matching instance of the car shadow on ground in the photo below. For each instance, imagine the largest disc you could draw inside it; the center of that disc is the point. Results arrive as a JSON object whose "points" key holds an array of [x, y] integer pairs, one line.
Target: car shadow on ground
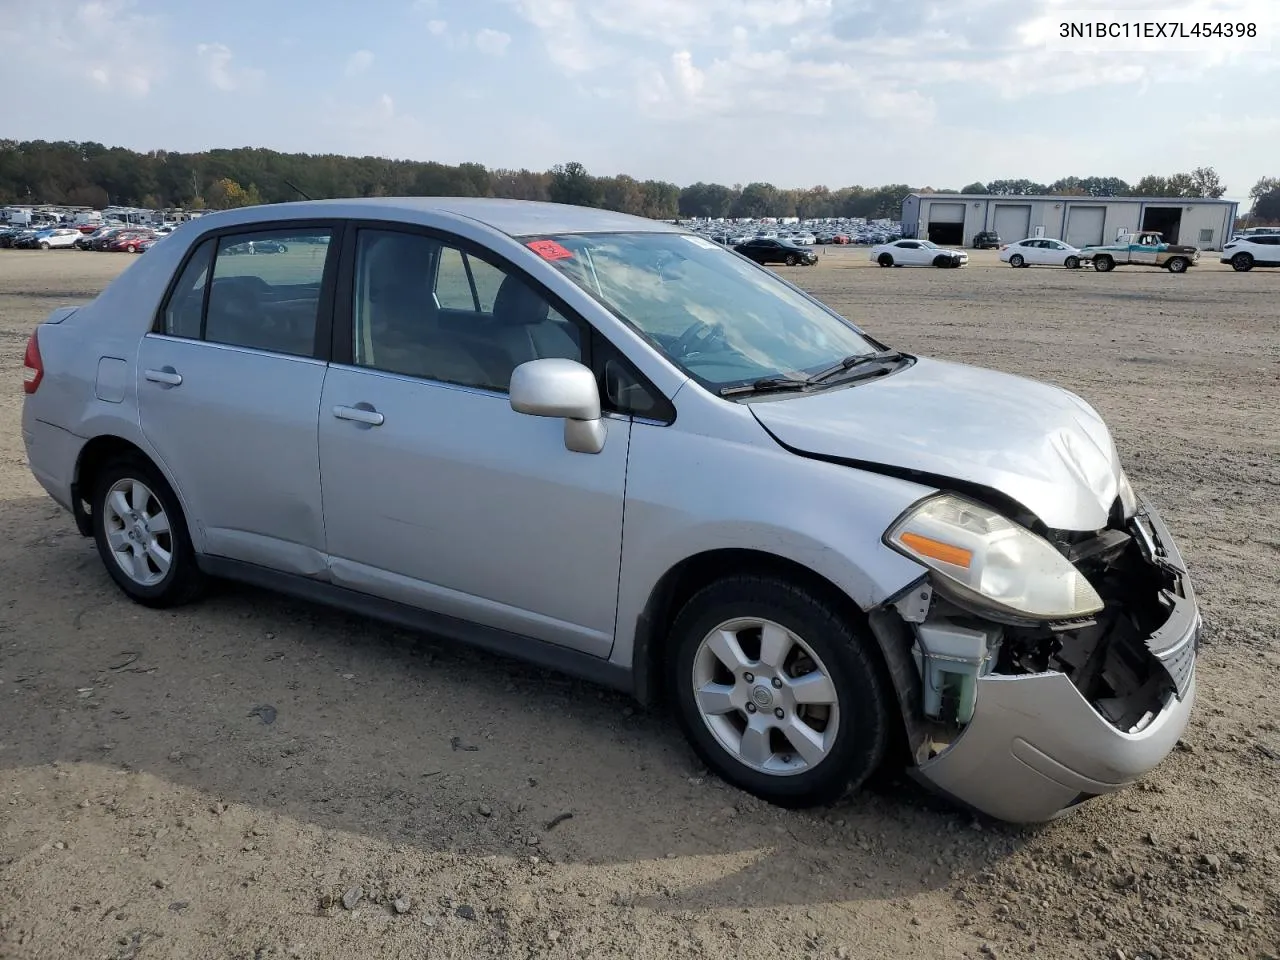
{"points": [[352, 725]]}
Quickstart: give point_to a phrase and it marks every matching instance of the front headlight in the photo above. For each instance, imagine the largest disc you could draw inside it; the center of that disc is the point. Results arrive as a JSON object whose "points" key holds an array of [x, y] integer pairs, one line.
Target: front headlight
{"points": [[992, 560]]}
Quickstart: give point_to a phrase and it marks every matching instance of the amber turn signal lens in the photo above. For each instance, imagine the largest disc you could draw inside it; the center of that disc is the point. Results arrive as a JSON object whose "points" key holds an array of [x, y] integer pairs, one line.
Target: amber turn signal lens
{"points": [[944, 552]]}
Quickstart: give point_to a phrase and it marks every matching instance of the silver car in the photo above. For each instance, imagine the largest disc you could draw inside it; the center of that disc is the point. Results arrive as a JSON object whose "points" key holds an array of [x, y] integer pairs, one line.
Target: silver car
{"points": [[612, 447]]}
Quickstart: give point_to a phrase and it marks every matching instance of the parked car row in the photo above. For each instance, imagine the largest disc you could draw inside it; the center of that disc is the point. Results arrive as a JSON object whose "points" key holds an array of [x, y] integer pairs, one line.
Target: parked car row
{"points": [[129, 239], [39, 238], [806, 234]]}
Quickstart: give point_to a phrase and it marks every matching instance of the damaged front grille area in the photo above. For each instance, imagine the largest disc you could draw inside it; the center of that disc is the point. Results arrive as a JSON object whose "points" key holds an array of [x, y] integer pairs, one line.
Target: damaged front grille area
{"points": [[1113, 659], [1128, 660]]}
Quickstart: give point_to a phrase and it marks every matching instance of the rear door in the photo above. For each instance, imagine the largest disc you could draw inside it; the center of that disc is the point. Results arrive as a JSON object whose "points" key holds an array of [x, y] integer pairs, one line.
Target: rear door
{"points": [[229, 386]]}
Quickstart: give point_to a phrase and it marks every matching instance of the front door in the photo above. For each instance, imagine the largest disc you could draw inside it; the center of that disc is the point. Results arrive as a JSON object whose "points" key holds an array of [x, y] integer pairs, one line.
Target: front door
{"points": [[436, 492], [228, 392], [1144, 250]]}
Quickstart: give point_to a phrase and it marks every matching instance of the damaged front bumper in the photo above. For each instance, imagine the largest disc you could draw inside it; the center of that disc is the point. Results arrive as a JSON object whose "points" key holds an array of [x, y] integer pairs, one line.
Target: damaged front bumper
{"points": [[1034, 747]]}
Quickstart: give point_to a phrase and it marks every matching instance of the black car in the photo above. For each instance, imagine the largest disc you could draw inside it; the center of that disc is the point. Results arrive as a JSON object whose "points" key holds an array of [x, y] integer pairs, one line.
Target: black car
{"points": [[986, 240], [764, 250]]}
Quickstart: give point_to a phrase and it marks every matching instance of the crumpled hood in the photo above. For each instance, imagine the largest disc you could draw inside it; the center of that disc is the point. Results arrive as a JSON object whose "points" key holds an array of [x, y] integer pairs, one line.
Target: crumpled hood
{"points": [[1040, 445]]}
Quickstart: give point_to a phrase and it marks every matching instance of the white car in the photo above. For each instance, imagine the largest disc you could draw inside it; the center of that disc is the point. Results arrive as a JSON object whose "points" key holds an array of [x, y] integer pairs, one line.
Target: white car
{"points": [[56, 237], [1255, 250], [917, 253], [1040, 251], [807, 239]]}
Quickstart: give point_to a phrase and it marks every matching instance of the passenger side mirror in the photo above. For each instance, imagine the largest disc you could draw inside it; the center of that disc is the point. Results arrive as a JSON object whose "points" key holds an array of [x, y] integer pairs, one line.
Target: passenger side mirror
{"points": [[556, 387]]}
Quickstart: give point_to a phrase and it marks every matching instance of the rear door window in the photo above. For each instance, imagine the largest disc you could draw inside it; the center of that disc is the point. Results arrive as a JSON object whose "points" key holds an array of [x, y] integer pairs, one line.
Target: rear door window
{"points": [[265, 292]]}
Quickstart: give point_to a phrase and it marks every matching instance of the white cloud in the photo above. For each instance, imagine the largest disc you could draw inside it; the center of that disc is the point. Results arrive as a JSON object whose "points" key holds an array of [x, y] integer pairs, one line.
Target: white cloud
{"points": [[105, 41], [437, 27], [221, 71], [358, 63], [734, 56], [492, 42]]}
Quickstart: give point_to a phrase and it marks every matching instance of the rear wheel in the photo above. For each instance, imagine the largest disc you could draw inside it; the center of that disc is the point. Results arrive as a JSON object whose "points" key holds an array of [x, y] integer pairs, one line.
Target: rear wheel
{"points": [[142, 535], [1103, 264], [1178, 264], [1242, 262], [777, 692], [1016, 260], [885, 260], [1072, 263], [44, 244]]}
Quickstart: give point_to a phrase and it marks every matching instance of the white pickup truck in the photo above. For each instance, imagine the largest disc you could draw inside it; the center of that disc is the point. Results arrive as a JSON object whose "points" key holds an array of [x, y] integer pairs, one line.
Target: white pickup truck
{"points": [[1146, 248]]}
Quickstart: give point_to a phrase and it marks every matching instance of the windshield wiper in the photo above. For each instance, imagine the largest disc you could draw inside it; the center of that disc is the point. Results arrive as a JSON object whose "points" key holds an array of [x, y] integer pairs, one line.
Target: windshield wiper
{"points": [[764, 385], [850, 362]]}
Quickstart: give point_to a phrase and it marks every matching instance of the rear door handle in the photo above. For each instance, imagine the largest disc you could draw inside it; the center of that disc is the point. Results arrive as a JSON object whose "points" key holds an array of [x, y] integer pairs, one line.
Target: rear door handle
{"points": [[167, 376], [360, 415]]}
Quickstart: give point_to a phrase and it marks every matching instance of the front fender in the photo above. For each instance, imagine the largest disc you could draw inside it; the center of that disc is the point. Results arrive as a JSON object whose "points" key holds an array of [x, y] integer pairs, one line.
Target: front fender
{"points": [[753, 496]]}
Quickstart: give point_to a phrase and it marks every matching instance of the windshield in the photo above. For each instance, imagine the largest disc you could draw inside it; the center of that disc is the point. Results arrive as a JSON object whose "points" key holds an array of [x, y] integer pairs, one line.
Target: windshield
{"points": [[720, 318]]}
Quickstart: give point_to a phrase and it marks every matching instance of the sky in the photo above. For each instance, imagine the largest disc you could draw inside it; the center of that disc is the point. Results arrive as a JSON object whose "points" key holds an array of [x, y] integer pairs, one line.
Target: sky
{"points": [[795, 92]]}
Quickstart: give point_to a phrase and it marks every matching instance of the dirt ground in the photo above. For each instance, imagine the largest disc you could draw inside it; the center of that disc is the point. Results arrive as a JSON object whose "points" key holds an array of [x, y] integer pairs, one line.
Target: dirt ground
{"points": [[211, 782]]}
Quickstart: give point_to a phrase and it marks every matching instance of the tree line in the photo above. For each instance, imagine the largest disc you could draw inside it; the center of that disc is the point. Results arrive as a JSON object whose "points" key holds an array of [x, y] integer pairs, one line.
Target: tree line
{"points": [[91, 174]]}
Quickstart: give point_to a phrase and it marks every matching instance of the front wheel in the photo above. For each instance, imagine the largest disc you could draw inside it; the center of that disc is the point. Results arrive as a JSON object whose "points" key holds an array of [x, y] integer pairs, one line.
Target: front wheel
{"points": [[790, 261], [44, 244], [1016, 260], [1103, 264], [1242, 262], [142, 535], [777, 692], [1178, 264], [1072, 263]]}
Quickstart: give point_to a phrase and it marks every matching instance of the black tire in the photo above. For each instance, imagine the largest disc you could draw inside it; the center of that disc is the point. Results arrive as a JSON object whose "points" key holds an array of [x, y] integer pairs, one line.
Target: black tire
{"points": [[44, 244], [184, 580], [1242, 262], [790, 260], [1072, 263], [943, 261], [1178, 264], [1103, 264], [885, 260], [850, 659], [1016, 260]]}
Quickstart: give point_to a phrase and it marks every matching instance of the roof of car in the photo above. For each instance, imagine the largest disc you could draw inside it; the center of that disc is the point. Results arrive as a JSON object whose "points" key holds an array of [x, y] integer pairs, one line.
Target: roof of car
{"points": [[513, 217]]}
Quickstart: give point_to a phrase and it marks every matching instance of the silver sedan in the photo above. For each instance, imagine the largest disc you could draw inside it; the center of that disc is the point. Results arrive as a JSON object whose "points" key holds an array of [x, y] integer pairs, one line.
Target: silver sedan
{"points": [[609, 446]]}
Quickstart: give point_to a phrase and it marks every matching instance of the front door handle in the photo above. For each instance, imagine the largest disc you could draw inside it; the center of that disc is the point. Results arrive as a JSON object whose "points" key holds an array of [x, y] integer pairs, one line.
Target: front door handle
{"points": [[365, 414], [167, 376]]}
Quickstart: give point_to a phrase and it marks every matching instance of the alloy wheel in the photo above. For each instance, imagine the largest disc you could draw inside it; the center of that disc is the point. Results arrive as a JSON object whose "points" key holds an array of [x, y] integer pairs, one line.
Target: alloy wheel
{"points": [[138, 532], [766, 697]]}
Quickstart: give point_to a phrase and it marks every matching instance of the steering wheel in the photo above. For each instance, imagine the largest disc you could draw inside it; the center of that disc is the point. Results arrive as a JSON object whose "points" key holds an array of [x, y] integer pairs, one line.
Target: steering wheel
{"points": [[698, 335]]}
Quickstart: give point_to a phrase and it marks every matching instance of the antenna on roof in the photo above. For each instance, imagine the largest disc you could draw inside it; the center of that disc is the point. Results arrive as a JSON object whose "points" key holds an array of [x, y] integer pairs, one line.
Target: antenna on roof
{"points": [[296, 190]]}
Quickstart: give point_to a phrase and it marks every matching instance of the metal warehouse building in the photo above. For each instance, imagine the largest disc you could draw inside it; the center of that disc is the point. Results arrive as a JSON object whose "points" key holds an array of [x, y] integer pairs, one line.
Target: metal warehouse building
{"points": [[954, 219]]}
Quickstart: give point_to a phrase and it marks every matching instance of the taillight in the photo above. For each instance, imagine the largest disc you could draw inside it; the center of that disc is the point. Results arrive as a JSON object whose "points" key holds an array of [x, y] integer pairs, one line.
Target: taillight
{"points": [[32, 365]]}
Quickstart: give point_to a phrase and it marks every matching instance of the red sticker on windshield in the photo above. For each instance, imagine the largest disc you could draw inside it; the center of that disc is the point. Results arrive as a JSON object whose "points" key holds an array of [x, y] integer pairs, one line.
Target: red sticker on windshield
{"points": [[549, 249]]}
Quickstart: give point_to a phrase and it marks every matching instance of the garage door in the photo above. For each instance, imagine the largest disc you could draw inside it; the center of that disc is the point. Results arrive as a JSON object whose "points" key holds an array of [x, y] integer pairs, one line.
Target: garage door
{"points": [[1084, 225], [946, 213], [1013, 221]]}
